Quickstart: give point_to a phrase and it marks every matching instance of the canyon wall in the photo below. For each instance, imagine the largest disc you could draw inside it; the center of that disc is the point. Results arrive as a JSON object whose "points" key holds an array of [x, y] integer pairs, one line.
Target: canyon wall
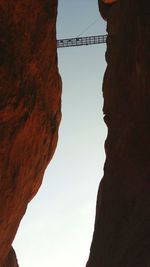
{"points": [[121, 235], [11, 260], [30, 91]]}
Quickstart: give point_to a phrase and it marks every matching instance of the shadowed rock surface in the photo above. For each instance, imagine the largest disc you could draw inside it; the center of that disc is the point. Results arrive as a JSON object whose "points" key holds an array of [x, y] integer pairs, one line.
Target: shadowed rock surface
{"points": [[30, 91], [122, 227], [11, 260]]}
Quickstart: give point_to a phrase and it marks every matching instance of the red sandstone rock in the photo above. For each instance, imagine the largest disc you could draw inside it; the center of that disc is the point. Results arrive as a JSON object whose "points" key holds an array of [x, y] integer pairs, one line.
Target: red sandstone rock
{"points": [[104, 7], [11, 260], [109, 1], [30, 91], [121, 236]]}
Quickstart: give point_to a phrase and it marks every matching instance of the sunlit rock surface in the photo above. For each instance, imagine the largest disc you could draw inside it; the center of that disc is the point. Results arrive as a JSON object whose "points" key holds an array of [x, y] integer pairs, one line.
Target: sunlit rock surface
{"points": [[122, 226], [109, 1], [30, 90]]}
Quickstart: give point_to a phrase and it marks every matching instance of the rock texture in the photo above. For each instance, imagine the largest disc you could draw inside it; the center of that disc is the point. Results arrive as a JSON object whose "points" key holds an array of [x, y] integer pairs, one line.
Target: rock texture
{"points": [[30, 91], [122, 227], [11, 260], [109, 1]]}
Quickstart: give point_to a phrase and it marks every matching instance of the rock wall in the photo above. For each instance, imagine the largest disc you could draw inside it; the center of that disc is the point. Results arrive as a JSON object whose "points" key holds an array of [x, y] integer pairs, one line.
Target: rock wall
{"points": [[30, 91], [121, 235], [11, 260]]}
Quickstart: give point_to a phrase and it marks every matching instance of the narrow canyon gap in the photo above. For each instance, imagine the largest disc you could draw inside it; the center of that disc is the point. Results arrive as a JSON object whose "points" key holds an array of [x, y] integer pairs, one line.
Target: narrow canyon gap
{"points": [[121, 235], [30, 90], [30, 100]]}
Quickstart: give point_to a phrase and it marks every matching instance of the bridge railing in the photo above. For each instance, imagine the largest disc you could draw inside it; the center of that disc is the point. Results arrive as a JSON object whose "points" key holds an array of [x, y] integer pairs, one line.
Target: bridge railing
{"points": [[79, 41]]}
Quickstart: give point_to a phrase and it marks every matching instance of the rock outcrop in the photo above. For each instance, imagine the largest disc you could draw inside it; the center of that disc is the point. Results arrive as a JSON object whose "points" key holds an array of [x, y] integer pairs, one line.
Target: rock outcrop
{"points": [[121, 236], [30, 91], [11, 260]]}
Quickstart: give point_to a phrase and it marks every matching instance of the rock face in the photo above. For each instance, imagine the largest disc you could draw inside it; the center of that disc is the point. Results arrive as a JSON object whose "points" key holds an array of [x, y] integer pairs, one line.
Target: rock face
{"points": [[30, 91], [121, 236], [11, 260], [109, 1]]}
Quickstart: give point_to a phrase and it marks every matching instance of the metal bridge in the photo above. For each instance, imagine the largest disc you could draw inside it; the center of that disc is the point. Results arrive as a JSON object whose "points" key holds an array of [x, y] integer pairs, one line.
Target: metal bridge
{"points": [[80, 41]]}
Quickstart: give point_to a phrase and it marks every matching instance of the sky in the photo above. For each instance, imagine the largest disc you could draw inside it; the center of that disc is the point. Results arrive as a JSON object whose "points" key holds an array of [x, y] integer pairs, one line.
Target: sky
{"points": [[58, 225]]}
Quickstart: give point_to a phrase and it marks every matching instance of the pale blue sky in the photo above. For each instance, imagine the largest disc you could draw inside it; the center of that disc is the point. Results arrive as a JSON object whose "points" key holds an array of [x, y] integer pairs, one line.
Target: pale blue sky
{"points": [[58, 225]]}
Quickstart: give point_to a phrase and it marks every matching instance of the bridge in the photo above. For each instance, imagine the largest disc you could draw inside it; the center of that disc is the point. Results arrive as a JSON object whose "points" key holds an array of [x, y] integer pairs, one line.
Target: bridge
{"points": [[80, 41]]}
